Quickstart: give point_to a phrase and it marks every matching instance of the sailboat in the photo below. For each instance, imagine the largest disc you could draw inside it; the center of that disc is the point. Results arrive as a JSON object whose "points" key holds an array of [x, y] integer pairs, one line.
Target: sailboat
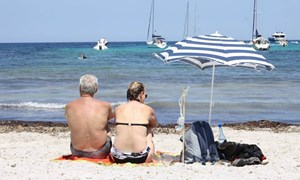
{"points": [[259, 42], [155, 40]]}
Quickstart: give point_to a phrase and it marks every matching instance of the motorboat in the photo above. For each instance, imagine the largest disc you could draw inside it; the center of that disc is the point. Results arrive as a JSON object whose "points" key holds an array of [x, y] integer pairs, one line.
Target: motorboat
{"points": [[279, 38], [155, 40], [101, 44]]}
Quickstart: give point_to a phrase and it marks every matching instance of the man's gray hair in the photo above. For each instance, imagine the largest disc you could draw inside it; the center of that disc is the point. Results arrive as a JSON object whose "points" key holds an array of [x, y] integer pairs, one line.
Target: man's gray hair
{"points": [[88, 84]]}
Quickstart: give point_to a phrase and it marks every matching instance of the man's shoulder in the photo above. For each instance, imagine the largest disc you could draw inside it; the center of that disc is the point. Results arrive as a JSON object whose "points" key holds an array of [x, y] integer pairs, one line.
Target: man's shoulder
{"points": [[71, 103], [103, 103]]}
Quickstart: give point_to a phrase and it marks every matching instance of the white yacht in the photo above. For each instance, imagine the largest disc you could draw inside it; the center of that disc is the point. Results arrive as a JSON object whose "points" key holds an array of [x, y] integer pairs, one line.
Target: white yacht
{"points": [[279, 37], [101, 44]]}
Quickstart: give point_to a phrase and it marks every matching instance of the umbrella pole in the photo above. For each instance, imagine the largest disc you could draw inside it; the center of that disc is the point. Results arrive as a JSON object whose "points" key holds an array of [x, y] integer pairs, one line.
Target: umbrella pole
{"points": [[211, 93]]}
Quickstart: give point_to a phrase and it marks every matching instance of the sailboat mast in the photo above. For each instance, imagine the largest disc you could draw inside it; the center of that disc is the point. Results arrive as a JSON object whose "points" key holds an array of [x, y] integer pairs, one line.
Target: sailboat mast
{"points": [[196, 28], [152, 17], [186, 24], [254, 24]]}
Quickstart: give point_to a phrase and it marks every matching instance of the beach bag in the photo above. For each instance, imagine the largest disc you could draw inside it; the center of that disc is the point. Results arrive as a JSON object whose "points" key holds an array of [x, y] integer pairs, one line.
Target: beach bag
{"points": [[240, 154], [199, 145], [232, 150]]}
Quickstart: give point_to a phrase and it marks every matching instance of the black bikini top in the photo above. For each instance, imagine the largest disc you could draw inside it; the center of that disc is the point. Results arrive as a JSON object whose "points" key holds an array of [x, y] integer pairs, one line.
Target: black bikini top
{"points": [[131, 124]]}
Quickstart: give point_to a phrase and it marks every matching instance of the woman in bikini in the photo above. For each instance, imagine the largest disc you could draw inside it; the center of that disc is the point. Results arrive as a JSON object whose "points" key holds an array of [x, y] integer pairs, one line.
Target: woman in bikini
{"points": [[134, 122]]}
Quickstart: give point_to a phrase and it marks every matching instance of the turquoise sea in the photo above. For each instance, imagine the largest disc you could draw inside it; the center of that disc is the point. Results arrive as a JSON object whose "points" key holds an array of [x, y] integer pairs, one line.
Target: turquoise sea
{"points": [[38, 79]]}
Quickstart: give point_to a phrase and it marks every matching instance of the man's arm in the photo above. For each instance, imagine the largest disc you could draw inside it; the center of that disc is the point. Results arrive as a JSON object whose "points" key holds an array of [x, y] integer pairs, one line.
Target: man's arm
{"points": [[66, 112], [111, 113]]}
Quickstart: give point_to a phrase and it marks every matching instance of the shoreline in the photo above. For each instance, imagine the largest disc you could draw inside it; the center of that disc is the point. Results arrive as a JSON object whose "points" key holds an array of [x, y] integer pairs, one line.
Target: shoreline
{"points": [[58, 127]]}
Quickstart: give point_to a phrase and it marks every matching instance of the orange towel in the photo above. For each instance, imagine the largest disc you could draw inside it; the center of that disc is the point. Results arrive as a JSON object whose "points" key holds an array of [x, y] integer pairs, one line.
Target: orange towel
{"points": [[159, 158], [75, 158]]}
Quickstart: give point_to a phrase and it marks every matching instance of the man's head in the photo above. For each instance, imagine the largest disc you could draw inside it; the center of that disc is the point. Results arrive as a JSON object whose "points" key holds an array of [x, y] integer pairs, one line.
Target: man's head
{"points": [[88, 84]]}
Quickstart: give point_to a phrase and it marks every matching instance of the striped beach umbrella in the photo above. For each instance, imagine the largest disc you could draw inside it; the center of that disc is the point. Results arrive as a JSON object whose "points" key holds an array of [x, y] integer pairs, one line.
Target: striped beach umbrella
{"points": [[210, 51]]}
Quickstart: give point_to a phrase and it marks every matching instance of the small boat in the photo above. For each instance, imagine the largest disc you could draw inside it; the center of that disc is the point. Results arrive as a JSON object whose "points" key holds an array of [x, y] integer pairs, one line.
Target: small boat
{"points": [[157, 41], [154, 41], [259, 42], [279, 38], [82, 56], [101, 44]]}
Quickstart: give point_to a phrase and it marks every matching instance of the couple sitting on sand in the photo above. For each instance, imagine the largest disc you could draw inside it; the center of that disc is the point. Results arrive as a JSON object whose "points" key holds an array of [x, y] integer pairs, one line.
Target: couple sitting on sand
{"points": [[88, 120]]}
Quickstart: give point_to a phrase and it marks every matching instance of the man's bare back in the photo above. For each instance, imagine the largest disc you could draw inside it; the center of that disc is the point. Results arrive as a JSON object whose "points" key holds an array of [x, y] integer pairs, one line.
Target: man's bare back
{"points": [[88, 119]]}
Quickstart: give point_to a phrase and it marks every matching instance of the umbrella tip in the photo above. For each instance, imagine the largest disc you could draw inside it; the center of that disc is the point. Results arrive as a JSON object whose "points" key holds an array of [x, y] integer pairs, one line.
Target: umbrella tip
{"points": [[216, 33]]}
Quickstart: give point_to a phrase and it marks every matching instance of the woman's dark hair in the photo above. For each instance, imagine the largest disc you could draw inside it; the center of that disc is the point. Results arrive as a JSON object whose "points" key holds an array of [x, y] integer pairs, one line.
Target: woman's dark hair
{"points": [[134, 90]]}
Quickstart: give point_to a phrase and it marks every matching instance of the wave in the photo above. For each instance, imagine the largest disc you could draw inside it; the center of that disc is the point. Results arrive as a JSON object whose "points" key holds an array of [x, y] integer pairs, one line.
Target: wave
{"points": [[32, 105], [36, 105], [114, 105]]}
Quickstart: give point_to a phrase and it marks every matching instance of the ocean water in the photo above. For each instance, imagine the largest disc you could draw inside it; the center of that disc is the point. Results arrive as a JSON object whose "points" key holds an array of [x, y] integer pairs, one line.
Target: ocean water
{"points": [[38, 79]]}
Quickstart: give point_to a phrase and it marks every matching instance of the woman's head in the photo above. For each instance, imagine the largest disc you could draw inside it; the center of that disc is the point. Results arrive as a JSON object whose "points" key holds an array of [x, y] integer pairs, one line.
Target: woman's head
{"points": [[88, 84], [136, 91]]}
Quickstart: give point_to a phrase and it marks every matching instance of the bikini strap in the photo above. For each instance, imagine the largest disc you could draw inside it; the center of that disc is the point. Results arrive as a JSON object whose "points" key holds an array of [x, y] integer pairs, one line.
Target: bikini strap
{"points": [[131, 124]]}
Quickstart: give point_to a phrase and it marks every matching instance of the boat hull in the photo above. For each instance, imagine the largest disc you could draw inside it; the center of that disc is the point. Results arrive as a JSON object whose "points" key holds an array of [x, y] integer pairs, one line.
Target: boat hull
{"points": [[261, 46], [280, 42], [261, 43], [100, 47], [152, 44]]}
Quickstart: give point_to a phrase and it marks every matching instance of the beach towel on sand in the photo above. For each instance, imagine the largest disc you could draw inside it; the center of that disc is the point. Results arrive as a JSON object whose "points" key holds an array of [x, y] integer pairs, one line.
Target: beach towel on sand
{"points": [[159, 158]]}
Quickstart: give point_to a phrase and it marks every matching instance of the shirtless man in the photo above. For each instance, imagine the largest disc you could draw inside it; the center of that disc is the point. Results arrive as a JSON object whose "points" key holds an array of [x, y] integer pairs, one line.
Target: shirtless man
{"points": [[134, 122], [88, 119]]}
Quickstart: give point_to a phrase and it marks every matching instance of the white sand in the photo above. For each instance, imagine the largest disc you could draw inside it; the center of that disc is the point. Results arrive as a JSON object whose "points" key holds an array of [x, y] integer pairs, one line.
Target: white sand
{"points": [[29, 156]]}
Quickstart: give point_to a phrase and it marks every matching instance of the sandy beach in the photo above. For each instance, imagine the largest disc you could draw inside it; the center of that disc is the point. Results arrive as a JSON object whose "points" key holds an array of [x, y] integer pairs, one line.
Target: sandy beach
{"points": [[27, 152]]}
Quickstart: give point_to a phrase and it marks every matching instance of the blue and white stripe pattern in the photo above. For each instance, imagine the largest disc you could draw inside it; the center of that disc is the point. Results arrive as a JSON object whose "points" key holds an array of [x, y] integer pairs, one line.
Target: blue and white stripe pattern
{"points": [[215, 49]]}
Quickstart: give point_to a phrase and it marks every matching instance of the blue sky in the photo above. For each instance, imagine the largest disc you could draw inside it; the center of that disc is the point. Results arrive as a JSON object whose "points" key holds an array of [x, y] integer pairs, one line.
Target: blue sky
{"points": [[127, 20]]}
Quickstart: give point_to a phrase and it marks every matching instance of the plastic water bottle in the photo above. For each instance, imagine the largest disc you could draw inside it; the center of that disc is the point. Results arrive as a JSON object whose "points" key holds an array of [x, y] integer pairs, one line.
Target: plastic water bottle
{"points": [[180, 122], [221, 137]]}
